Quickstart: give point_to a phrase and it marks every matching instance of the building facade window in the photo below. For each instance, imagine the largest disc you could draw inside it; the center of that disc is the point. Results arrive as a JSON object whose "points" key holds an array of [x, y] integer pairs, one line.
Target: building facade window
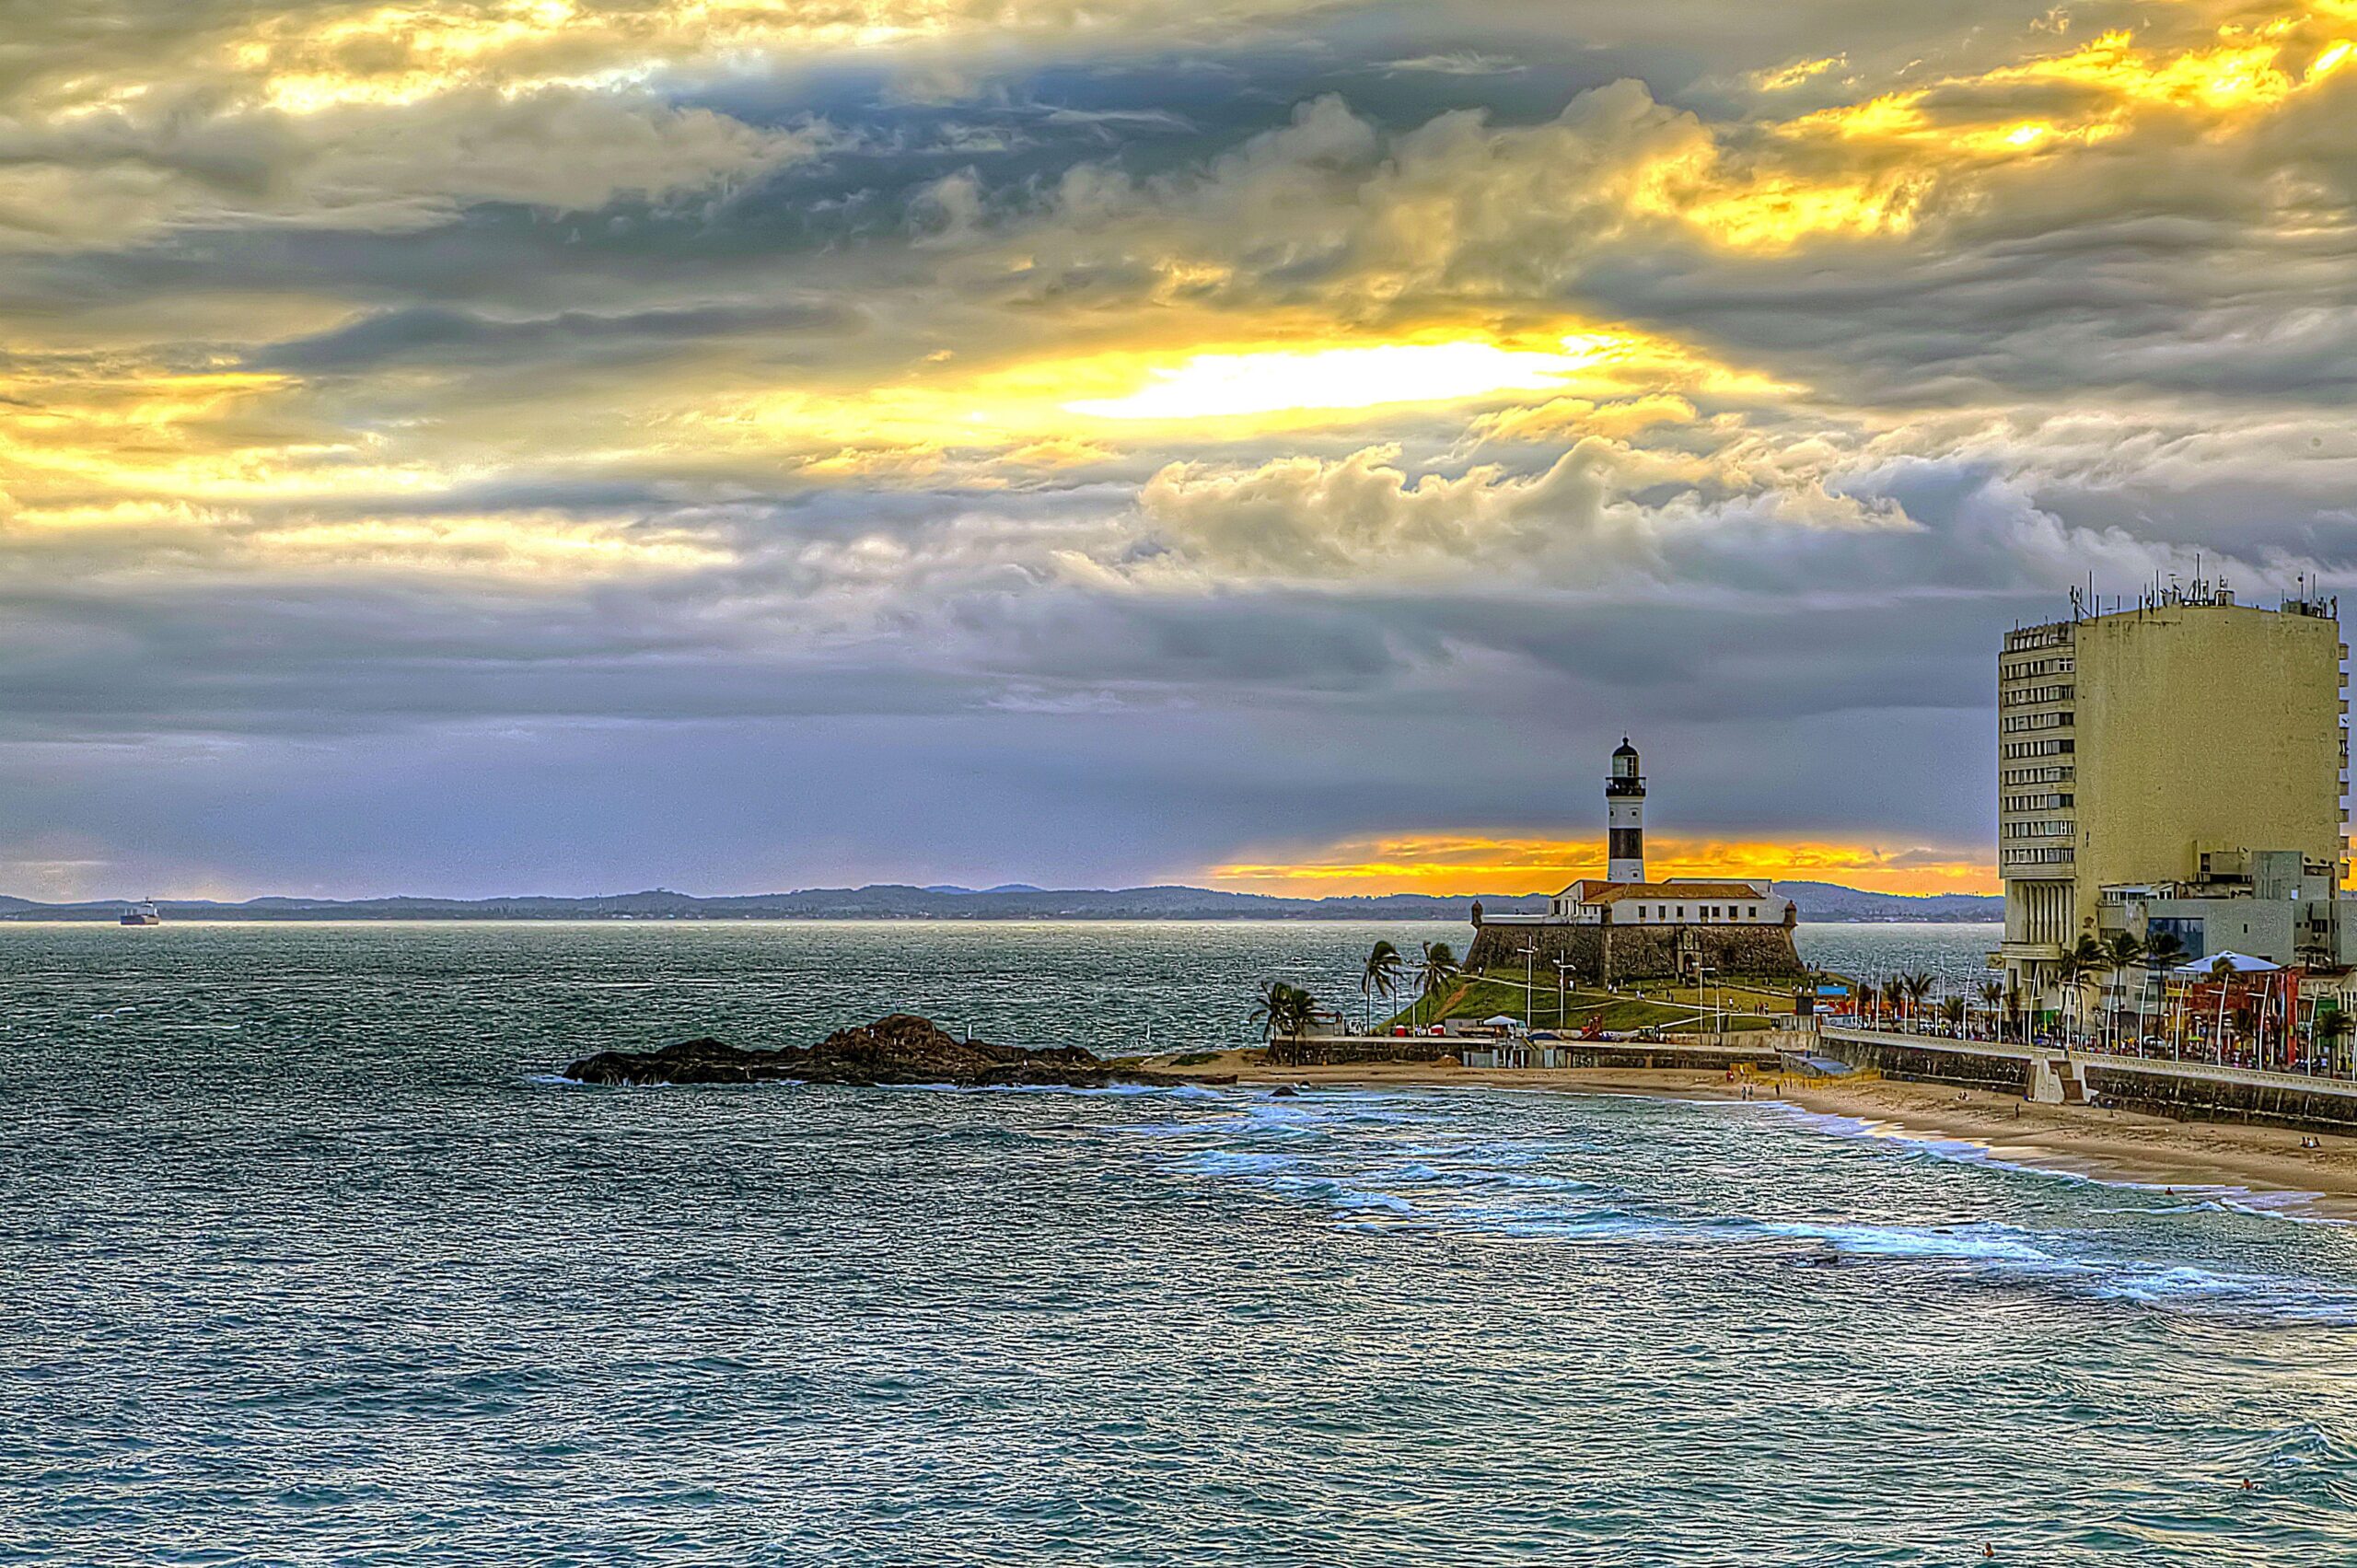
{"points": [[2015, 723], [2046, 828]]}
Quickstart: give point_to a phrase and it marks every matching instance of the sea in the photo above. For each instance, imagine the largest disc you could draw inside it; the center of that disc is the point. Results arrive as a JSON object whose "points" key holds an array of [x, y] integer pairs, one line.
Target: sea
{"points": [[307, 1256]]}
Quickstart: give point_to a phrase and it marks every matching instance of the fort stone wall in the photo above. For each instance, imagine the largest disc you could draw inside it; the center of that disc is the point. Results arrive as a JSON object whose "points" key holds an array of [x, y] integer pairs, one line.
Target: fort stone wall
{"points": [[1614, 955]]}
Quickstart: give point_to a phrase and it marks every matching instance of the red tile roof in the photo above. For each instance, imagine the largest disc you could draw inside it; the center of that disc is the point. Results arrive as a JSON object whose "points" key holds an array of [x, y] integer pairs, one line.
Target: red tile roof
{"points": [[1615, 892]]}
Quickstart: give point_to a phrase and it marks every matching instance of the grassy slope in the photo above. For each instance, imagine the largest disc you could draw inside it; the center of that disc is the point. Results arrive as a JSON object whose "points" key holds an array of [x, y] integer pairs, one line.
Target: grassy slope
{"points": [[1479, 996]]}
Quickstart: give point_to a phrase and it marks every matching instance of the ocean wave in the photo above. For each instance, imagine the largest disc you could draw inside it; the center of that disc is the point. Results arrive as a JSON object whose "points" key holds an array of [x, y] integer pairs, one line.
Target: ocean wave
{"points": [[1978, 1243], [2188, 1288], [1238, 1162], [1994, 1253], [2283, 1204]]}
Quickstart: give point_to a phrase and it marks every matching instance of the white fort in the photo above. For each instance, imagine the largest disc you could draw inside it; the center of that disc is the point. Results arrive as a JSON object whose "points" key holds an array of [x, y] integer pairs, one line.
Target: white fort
{"points": [[1623, 897]]}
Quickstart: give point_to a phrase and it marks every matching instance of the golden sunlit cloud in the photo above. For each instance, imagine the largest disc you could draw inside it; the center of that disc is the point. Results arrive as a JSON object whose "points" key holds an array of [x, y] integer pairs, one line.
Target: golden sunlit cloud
{"points": [[517, 550], [1773, 212], [1457, 865], [1561, 419], [520, 549], [1899, 143], [934, 408], [1789, 76], [1221, 385]]}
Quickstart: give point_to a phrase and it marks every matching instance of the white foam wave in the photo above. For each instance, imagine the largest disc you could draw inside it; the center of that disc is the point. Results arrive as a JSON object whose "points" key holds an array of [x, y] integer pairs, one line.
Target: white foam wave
{"points": [[2296, 1206], [1979, 1242]]}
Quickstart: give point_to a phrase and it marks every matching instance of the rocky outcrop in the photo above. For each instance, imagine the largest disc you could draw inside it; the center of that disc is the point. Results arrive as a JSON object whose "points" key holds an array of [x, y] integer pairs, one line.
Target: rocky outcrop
{"points": [[902, 1049]]}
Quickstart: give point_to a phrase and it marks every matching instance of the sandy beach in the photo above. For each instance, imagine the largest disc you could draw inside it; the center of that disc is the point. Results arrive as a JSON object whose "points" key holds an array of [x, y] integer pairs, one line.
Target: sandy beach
{"points": [[2111, 1146]]}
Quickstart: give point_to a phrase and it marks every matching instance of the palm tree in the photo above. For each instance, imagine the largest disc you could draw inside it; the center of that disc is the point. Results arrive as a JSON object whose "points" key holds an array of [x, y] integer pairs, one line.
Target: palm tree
{"points": [[1991, 993], [1283, 1012], [1271, 1008], [1301, 1014], [1434, 969], [1379, 978], [1919, 986], [2089, 957], [2013, 1005], [1894, 991], [2162, 951], [2123, 952], [1952, 1012], [2330, 1031]]}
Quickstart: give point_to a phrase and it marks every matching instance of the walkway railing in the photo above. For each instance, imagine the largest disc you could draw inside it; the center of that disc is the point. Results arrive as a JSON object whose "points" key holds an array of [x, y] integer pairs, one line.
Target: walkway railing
{"points": [[2240, 1059]]}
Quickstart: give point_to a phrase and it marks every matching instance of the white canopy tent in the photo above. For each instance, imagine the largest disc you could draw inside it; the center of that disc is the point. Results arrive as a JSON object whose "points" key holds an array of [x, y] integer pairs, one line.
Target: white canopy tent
{"points": [[2240, 963]]}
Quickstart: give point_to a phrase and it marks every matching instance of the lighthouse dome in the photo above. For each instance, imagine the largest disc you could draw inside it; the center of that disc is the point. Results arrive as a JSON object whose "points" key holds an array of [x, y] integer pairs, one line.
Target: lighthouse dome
{"points": [[1625, 778]]}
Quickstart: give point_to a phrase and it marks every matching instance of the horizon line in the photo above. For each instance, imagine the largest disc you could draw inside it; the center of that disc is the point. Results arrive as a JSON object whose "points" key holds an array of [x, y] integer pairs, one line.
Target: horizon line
{"points": [[934, 889]]}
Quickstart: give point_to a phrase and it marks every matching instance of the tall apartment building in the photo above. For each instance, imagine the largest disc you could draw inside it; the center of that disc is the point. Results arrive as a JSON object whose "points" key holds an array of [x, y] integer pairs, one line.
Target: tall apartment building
{"points": [[2155, 753]]}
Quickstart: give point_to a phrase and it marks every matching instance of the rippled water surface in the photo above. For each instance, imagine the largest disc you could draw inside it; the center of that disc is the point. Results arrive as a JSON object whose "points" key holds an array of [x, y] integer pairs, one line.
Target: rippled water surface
{"points": [[306, 1260]]}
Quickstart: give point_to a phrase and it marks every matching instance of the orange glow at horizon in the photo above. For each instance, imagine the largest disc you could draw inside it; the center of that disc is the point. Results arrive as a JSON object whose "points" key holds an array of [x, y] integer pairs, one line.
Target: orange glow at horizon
{"points": [[1453, 864]]}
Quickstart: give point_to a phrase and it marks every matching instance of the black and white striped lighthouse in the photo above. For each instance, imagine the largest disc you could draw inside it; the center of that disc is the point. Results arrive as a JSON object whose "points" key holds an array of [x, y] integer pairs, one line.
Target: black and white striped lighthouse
{"points": [[1624, 813]]}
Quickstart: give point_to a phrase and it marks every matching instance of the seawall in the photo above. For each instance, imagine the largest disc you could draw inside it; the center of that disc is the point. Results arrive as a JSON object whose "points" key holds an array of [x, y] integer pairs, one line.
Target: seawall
{"points": [[2262, 1099], [2004, 1069], [1752, 1048], [2187, 1091]]}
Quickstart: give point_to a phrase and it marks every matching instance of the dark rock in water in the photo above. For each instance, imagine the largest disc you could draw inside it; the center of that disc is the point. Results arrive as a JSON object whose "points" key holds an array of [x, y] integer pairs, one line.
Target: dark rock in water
{"points": [[1284, 1091], [903, 1049]]}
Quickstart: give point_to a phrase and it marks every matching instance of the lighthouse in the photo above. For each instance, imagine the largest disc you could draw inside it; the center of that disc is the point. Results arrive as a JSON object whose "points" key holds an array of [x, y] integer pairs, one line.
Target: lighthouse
{"points": [[1624, 812]]}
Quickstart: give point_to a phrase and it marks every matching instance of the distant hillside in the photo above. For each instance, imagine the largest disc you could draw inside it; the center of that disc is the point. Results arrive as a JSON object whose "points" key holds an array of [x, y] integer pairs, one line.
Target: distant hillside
{"points": [[1817, 900], [1828, 900]]}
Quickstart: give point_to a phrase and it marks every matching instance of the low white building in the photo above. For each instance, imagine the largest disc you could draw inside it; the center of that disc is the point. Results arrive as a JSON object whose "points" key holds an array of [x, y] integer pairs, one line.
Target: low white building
{"points": [[1679, 901]]}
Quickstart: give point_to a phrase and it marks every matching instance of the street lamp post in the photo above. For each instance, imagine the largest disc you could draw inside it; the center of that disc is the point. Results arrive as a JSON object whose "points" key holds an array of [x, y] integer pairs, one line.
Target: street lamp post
{"points": [[1530, 980]]}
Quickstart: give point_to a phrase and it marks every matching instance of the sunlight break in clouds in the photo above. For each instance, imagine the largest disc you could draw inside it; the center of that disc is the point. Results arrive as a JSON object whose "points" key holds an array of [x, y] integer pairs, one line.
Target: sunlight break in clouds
{"points": [[1218, 385], [1453, 864]]}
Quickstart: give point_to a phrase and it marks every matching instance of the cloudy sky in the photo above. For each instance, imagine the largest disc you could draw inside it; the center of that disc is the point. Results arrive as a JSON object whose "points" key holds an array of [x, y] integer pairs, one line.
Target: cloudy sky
{"points": [[569, 445]]}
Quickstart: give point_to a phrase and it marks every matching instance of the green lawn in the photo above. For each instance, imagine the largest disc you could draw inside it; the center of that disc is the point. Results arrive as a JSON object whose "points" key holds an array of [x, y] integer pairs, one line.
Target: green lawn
{"points": [[1482, 996]]}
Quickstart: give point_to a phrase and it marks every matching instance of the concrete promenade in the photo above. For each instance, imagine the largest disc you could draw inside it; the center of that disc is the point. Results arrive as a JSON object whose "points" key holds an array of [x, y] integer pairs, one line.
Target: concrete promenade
{"points": [[1702, 1051], [2199, 1090]]}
